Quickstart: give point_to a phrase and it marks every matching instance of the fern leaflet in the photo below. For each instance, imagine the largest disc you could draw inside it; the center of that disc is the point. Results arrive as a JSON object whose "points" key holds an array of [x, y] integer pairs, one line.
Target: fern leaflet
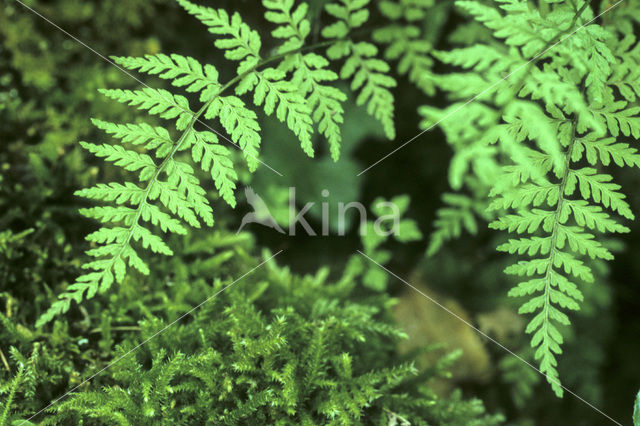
{"points": [[369, 74]]}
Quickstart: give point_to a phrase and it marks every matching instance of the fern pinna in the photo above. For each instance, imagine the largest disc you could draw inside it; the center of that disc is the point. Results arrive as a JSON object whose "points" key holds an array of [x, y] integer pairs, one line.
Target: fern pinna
{"points": [[568, 108], [297, 88]]}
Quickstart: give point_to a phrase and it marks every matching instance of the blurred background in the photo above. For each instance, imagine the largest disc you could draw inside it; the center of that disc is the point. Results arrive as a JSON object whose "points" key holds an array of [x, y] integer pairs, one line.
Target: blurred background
{"points": [[48, 92]]}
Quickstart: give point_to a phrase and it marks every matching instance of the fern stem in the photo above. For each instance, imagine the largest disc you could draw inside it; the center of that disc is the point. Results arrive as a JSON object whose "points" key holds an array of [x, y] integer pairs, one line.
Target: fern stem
{"points": [[556, 220]]}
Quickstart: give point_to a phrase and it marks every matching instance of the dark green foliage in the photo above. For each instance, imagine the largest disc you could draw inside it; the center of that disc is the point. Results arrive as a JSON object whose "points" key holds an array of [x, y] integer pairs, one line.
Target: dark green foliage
{"points": [[11, 392], [376, 234], [23, 384], [285, 350]]}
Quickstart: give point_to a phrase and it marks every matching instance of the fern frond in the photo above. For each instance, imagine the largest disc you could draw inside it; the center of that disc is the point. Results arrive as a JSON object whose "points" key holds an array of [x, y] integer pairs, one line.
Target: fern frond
{"points": [[181, 175], [600, 188], [170, 194], [272, 90], [325, 101], [369, 75], [174, 200], [406, 42], [560, 232], [120, 194], [605, 150], [562, 110], [294, 85], [115, 250], [294, 27], [240, 122], [618, 120], [310, 70]]}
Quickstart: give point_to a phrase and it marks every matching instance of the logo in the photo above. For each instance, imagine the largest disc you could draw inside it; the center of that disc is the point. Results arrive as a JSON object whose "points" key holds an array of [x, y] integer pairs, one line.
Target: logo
{"points": [[260, 213], [387, 216]]}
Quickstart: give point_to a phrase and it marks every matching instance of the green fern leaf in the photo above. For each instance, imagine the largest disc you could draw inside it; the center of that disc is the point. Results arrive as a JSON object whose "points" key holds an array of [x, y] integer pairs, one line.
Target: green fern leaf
{"points": [[310, 70], [290, 106], [181, 175], [241, 42], [157, 102], [156, 138], [128, 160], [120, 194], [600, 188], [184, 72], [406, 42], [369, 75], [461, 214], [239, 122], [294, 27], [620, 120], [214, 158]]}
